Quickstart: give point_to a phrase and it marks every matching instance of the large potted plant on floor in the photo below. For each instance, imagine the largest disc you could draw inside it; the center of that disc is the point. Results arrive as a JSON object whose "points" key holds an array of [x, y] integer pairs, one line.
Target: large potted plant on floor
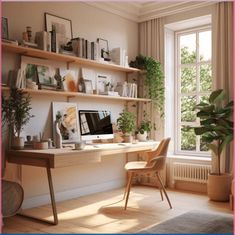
{"points": [[216, 130], [126, 123], [16, 114]]}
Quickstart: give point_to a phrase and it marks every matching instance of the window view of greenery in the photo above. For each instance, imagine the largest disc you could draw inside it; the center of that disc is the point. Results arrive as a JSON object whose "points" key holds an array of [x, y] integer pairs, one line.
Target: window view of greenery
{"points": [[195, 79]]}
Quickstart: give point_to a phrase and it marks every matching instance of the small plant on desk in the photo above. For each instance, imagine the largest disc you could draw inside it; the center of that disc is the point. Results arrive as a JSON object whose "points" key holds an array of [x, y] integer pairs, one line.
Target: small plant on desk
{"points": [[16, 114], [126, 123]]}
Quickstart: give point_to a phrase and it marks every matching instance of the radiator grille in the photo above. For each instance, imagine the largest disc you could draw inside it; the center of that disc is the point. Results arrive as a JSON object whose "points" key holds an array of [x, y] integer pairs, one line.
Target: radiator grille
{"points": [[191, 172]]}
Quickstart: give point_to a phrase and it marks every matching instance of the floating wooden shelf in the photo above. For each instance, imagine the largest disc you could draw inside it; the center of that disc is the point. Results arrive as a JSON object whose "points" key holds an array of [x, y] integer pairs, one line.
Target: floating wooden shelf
{"points": [[79, 94], [26, 51]]}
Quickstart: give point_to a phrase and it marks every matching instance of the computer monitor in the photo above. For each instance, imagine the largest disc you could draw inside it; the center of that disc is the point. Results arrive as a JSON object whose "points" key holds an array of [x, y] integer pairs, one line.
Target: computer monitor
{"points": [[95, 124]]}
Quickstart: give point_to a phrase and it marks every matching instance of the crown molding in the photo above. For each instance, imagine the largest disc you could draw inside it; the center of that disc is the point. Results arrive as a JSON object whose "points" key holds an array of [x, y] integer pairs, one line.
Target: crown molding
{"points": [[143, 11]]}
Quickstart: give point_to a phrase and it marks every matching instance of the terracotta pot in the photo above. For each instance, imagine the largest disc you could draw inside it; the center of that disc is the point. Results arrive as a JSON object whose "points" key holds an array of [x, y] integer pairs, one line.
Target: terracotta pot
{"points": [[18, 143], [128, 138], [142, 137], [219, 187]]}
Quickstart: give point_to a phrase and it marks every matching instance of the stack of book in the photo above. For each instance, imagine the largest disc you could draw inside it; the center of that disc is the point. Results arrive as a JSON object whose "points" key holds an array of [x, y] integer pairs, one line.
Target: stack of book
{"points": [[85, 49], [127, 89], [119, 57]]}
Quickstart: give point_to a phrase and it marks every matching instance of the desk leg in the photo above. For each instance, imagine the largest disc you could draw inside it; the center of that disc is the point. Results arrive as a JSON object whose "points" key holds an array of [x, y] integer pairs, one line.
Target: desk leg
{"points": [[53, 203]]}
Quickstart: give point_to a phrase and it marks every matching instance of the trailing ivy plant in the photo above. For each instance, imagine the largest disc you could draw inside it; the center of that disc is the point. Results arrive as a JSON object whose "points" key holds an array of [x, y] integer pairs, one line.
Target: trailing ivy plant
{"points": [[154, 80]]}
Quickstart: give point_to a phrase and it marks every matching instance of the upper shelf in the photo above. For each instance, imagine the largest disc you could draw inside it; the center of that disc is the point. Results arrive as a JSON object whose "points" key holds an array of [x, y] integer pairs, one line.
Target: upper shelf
{"points": [[64, 58]]}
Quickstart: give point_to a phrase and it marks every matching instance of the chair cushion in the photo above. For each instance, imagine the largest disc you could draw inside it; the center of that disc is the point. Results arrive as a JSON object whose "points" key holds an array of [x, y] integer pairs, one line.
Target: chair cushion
{"points": [[135, 165]]}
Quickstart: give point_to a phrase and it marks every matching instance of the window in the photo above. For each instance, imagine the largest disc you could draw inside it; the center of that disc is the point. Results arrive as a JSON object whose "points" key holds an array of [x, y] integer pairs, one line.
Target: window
{"points": [[194, 84]]}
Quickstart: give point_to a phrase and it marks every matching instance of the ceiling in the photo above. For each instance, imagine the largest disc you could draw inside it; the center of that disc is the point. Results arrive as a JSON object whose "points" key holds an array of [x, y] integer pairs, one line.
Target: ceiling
{"points": [[141, 11]]}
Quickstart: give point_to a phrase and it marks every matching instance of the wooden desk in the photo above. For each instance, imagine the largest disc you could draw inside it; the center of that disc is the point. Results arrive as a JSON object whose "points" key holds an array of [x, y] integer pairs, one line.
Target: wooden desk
{"points": [[54, 158]]}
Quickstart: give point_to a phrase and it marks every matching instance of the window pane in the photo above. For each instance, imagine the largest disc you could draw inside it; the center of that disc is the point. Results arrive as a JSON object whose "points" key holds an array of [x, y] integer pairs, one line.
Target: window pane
{"points": [[204, 98], [203, 146], [187, 105], [205, 77], [188, 79], [205, 45], [188, 49], [188, 138]]}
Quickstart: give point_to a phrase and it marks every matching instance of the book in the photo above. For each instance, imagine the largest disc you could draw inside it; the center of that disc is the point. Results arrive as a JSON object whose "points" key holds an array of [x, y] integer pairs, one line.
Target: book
{"points": [[53, 39], [43, 40], [88, 50]]}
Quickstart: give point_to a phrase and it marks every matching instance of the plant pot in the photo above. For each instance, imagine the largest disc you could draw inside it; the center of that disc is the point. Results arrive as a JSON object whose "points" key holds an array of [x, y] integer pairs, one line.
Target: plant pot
{"points": [[218, 187], [142, 137], [128, 138], [18, 143]]}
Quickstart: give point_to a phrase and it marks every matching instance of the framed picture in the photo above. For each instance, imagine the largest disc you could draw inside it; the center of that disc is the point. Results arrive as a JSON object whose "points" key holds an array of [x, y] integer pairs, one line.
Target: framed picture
{"points": [[5, 28], [70, 81], [37, 70], [102, 81], [88, 86], [62, 25], [67, 115]]}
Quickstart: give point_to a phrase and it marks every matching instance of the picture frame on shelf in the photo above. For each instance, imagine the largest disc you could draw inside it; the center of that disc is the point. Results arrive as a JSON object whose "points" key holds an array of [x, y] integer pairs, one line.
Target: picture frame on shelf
{"points": [[37, 71], [102, 80], [67, 114], [70, 80], [88, 86], [5, 34], [62, 25]]}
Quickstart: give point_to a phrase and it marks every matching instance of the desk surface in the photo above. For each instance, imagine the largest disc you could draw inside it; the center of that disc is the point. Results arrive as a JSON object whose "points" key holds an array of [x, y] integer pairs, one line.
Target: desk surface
{"points": [[67, 156]]}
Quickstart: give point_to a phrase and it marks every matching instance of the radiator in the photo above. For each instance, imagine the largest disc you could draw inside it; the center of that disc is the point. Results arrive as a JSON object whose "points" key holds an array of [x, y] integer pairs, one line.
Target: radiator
{"points": [[190, 172]]}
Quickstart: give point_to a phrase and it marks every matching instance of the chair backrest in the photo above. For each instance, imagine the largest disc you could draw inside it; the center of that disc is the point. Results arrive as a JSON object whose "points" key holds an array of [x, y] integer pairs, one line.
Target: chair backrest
{"points": [[157, 158]]}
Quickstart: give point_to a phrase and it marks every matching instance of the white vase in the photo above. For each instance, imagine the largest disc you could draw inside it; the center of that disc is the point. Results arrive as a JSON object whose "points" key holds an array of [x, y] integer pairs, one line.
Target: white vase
{"points": [[58, 137], [18, 143], [142, 137]]}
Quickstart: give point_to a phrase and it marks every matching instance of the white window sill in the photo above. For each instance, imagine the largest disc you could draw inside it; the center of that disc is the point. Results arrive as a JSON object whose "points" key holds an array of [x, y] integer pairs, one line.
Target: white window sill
{"points": [[194, 158]]}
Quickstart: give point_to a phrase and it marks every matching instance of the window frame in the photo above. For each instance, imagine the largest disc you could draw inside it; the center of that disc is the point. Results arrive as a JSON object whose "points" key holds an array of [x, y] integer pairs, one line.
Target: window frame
{"points": [[178, 94]]}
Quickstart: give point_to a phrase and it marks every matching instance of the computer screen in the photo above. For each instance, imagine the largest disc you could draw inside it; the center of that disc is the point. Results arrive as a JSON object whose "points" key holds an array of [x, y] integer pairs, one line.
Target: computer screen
{"points": [[95, 124]]}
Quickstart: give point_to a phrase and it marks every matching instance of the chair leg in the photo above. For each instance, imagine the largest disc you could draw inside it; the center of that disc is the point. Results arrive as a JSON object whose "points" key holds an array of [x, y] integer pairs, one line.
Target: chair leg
{"points": [[128, 188], [124, 196], [164, 190], [161, 194]]}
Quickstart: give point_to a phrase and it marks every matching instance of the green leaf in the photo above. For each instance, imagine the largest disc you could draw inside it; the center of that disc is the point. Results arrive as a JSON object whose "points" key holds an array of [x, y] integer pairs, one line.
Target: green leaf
{"points": [[227, 140], [216, 96], [200, 130]]}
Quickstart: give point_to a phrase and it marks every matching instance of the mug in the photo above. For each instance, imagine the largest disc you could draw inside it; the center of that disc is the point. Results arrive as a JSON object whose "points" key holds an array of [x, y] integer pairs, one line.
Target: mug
{"points": [[79, 145]]}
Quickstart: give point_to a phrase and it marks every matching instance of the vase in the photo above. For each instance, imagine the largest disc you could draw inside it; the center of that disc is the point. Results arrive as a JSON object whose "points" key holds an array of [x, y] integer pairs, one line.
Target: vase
{"points": [[142, 137], [58, 136], [128, 138]]}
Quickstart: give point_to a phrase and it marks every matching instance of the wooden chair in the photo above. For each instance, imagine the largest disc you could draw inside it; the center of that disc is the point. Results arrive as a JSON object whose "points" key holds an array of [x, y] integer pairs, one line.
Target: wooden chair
{"points": [[156, 160]]}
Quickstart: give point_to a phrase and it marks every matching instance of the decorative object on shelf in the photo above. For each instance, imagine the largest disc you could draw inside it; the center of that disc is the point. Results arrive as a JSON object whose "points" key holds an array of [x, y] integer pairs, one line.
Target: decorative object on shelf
{"points": [[58, 136], [61, 26], [29, 33], [68, 116], [88, 86], [43, 40], [5, 34], [216, 131], [126, 123], [154, 80], [79, 145], [59, 80], [70, 82], [104, 48], [119, 57], [145, 128], [102, 79], [16, 114]]}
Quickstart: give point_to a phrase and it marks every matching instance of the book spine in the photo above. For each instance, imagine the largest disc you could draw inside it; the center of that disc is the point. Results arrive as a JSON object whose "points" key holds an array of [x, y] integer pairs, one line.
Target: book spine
{"points": [[48, 41], [53, 39], [92, 50], [88, 50]]}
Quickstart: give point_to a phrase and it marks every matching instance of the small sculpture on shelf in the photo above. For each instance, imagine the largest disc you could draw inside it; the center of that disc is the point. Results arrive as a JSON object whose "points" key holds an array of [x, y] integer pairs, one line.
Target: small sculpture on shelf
{"points": [[58, 136], [59, 80]]}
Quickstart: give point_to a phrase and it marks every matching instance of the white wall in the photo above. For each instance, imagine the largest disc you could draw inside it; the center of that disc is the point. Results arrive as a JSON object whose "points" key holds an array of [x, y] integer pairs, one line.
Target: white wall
{"points": [[90, 23]]}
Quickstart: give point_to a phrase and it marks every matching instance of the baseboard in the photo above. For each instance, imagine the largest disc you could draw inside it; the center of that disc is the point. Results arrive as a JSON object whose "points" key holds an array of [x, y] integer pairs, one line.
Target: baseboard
{"points": [[73, 193]]}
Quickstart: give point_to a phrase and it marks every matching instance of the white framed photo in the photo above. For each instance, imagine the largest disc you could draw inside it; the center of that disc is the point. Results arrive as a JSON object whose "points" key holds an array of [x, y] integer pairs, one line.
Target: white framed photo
{"points": [[67, 115], [88, 86], [103, 80]]}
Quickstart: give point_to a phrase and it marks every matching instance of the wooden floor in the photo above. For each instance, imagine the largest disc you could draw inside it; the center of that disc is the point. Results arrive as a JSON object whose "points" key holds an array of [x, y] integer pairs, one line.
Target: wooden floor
{"points": [[103, 212]]}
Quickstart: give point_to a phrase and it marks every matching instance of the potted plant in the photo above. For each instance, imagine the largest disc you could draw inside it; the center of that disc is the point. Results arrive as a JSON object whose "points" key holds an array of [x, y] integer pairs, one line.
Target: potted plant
{"points": [[16, 114], [126, 123], [144, 129], [154, 80], [216, 129]]}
